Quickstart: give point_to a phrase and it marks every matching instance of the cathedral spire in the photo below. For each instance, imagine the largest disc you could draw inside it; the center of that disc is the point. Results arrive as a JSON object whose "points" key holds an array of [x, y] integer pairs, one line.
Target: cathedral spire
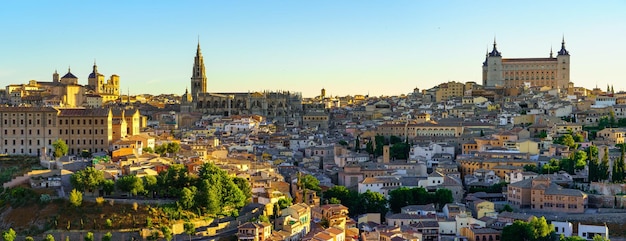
{"points": [[494, 52], [198, 76], [563, 51]]}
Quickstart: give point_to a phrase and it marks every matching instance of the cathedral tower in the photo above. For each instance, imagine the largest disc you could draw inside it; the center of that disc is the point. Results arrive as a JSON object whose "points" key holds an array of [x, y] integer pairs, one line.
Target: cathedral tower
{"points": [[198, 78]]}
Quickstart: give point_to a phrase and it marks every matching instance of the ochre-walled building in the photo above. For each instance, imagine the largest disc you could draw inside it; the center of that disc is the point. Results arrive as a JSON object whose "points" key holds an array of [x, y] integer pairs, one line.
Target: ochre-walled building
{"points": [[517, 72]]}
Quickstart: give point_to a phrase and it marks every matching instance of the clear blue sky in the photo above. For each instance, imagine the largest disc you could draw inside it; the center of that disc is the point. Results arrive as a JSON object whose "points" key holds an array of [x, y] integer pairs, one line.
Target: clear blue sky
{"points": [[348, 47]]}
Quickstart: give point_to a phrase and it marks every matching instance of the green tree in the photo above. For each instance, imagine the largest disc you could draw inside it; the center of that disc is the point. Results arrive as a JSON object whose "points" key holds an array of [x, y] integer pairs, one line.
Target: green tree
{"points": [[572, 238], [49, 237], [89, 237], [373, 202], [343, 195], [88, 179], [108, 237], [579, 159], [443, 197], [597, 237], [151, 185], [507, 208], [518, 231], [264, 219], [334, 200], [173, 147], [567, 140], [578, 137], [603, 169], [244, 186], [76, 198], [537, 229], [311, 183], [357, 144], [130, 184], [187, 197], [147, 150], [400, 197], [207, 197], [343, 143], [594, 163], [190, 229], [29, 238], [9, 235], [167, 233], [160, 149], [618, 168], [108, 186], [284, 202], [369, 147], [60, 148], [380, 142]]}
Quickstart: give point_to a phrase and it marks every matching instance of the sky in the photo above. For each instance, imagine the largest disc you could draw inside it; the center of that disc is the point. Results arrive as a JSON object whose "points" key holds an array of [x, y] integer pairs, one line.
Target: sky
{"points": [[348, 47]]}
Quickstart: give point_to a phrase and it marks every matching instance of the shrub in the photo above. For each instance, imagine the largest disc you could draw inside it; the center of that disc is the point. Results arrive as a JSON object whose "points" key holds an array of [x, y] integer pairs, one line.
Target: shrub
{"points": [[44, 198], [100, 200], [76, 198]]}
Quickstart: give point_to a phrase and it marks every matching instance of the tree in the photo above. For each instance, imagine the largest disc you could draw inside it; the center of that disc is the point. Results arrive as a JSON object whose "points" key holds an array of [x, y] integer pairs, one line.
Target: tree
{"points": [[618, 168], [244, 186], [108, 186], [579, 159], [264, 219], [343, 143], [594, 164], [578, 137], [151, 185], [341, 194], [372, 202], [160, 149], [190, 229], [603, 169], [89, 237], [208, 197], [167, 233], [597, 237], [9, 235], [49, 237], [443, 197], [357, 144], [60, 148], [311, 183], [172, 147], [507, 208], [88, 179], [187, 197], [76, 198], [537, 229], [369, 147], [131, 184], [108, 237], [29, 238], [572, 238], [518, 231], [284, 203], [567, 140], [147, 149]]}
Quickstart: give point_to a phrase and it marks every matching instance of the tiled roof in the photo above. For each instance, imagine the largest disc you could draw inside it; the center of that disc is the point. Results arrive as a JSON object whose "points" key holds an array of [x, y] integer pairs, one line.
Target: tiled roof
{"points": [[84, 112]]}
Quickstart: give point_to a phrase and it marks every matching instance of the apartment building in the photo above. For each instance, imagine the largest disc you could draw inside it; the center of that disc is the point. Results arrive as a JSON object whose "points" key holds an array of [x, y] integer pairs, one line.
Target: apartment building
{"points": [[541, 194]]}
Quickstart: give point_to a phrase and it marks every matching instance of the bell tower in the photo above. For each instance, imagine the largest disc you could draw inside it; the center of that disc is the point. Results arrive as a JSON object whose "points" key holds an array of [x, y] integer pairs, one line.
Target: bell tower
{"points": [[198, 77]]}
